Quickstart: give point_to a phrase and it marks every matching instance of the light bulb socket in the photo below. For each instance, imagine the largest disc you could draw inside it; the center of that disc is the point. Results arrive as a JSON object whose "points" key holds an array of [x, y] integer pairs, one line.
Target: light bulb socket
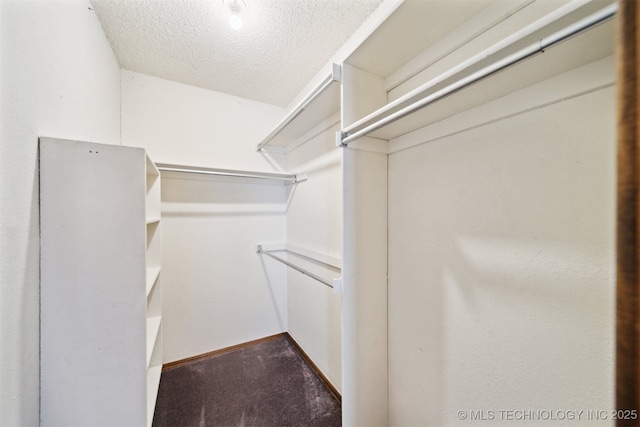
{"points": [[234, 20], [236, 6]]}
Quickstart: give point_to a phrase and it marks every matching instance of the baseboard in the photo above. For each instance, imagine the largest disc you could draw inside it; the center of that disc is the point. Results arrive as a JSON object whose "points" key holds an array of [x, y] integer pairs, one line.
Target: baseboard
{"points": [[305, 356], [177, 363], [334, 391]]}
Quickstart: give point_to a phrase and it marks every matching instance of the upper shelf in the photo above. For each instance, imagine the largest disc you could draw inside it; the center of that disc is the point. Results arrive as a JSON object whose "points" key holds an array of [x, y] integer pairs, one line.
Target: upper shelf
{"points": [[322, 103], [152, 170], [486, 71], [286, 178]]}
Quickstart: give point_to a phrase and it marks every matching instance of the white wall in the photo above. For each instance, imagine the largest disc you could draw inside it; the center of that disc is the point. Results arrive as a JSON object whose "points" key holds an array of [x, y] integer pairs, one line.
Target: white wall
{"points": [[314, 222], [217, 291], [59, 78], [501, 262], [183, 124]]}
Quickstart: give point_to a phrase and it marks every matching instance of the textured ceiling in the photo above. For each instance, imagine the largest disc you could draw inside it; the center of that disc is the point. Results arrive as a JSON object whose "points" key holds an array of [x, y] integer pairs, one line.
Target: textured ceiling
{"points": [[280, 47]]}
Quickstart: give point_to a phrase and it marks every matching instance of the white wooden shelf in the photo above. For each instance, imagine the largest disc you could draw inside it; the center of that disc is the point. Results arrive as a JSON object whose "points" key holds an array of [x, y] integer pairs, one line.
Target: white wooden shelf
{"points": [[322, 103], [153, 287], [152, 200], [153, 328], [282, 177], [153, 383], [449, 88], [106, 328], [152, 170], [152, 278]]}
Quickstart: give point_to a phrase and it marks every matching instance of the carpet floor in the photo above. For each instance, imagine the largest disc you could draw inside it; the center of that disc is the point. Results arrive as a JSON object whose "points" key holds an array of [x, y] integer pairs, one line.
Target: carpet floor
{"points": [[263, 385]]}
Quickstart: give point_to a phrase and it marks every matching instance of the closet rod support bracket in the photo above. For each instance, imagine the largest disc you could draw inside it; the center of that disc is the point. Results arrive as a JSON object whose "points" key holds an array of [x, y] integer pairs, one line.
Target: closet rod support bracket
{"points": [[340, 136], [300, 177]]}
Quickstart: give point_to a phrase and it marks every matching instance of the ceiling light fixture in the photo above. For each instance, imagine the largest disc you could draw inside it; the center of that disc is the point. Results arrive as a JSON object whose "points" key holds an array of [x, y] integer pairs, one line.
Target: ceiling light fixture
{"points": [[236, 7]]}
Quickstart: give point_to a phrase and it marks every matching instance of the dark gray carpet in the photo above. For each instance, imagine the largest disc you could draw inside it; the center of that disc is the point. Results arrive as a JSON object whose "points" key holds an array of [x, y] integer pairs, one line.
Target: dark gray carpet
{"points": [[263, 385]]}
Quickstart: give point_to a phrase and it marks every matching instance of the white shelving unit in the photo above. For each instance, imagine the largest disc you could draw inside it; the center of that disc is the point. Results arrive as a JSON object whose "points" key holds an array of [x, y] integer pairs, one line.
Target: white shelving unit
{"points": [[153, 286], [101, 296]]}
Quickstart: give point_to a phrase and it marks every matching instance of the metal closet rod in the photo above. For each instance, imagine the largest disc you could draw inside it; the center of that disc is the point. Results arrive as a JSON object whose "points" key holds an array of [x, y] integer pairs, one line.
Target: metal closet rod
{"points": [[295, 267], [582, 25], [539, 24], [166, 167]]}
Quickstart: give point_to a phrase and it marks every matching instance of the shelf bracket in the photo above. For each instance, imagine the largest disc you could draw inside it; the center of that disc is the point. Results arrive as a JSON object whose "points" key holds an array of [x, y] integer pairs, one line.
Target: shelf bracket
{"points": [[336, 73], [340, 135]]}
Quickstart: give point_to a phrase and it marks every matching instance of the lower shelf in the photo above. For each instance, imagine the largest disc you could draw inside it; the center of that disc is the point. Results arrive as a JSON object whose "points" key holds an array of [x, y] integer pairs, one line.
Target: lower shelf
{"points": [[153, 328], [153, 382]]}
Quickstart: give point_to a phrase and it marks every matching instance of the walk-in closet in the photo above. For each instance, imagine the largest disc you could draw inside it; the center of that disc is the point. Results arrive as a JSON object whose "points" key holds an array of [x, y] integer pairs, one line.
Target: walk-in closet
{"points": [[420, 230]]}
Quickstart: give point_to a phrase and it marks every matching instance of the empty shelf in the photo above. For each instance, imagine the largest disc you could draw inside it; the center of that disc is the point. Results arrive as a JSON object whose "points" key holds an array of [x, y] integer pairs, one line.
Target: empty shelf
{"points": [[322, 103], [152, 277]]}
